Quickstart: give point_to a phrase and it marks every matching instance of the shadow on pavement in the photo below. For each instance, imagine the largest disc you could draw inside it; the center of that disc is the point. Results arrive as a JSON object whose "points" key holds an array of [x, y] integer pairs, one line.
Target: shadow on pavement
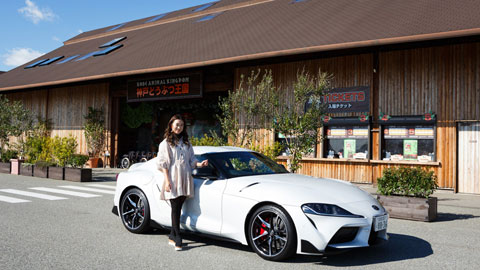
{"points": [[442, 217], [399, 248]]}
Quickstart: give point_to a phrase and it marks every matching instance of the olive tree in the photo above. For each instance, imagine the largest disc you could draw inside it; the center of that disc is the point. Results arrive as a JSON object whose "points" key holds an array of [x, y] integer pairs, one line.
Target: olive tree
{"points": [[298, 116], [15, 119], [249, 108], [295, 112]]}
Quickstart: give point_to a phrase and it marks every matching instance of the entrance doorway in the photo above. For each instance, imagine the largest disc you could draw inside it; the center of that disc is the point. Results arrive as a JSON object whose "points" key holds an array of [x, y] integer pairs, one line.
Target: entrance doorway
{"points": [[469, 157]]}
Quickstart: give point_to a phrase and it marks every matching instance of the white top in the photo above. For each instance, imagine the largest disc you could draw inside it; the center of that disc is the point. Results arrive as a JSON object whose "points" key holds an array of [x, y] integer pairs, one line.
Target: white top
{"points": [[179, 160]]}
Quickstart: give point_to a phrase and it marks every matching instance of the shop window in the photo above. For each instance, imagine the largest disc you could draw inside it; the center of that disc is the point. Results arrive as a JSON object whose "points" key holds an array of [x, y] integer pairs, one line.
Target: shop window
{"points": [[408, 138], [346, 137]]}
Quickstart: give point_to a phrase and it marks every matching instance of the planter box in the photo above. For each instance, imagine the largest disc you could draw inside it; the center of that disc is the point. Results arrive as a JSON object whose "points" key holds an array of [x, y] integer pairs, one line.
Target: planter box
{"points": [[56, 173], [78, 174], [41, 172], [421, 209], [5, 167], [26, 170]]}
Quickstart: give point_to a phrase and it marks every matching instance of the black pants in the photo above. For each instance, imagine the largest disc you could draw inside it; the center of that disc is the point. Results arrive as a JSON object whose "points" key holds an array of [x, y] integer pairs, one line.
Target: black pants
{"points": [[176, 205]]}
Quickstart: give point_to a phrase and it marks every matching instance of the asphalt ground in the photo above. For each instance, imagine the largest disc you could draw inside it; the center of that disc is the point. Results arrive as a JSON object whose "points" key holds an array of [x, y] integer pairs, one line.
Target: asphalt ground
{"points": [[81, 233]]}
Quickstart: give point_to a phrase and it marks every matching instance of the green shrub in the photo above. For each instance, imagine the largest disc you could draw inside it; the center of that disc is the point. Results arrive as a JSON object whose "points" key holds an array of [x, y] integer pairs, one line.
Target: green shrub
{"points": [[39, 149], [43, 164], [271, 151], [77, 160], [207, 141], [407, 181], [9, 154], [64, 148]]}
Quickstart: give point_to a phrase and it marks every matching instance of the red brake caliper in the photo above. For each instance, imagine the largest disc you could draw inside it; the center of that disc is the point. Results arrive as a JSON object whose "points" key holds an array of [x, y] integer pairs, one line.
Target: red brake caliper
{"points": [[262, 229]]}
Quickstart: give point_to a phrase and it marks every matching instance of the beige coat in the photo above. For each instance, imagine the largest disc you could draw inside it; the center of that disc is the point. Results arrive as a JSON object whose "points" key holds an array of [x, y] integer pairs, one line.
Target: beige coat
{"points": [[179, 160]]}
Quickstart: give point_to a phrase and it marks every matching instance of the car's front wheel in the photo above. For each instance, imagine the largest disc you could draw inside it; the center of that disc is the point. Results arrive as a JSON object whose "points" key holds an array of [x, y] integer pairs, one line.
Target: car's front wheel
{"points": [[135, 211], [271, 233]]}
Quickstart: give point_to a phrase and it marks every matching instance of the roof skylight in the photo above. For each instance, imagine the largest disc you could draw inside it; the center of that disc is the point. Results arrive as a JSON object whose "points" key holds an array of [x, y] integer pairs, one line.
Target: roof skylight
{"points": [[112, 42], [156, 18], [116, 27], [68, 59], [203, 7], [107, 50], [86, 56], [51, 61], [37, 63], [209, 17]]}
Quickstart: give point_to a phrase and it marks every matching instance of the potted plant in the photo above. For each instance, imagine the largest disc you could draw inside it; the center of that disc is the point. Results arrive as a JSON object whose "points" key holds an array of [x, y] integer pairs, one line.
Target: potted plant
{"points": [[405, 193], [76, 172], [94, 134]]}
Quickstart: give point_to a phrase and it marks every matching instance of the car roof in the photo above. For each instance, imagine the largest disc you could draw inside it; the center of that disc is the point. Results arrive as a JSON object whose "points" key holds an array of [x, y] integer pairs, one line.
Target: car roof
{"points": [[200, 150]]}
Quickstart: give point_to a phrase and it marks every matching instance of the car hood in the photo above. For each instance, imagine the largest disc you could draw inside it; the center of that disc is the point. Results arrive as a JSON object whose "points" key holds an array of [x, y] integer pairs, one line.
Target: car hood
{"points": [[295, 189]]}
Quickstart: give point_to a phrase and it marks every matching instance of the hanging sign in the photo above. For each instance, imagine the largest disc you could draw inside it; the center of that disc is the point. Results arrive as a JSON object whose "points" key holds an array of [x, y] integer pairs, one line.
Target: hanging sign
{"points": [[174, 87]]}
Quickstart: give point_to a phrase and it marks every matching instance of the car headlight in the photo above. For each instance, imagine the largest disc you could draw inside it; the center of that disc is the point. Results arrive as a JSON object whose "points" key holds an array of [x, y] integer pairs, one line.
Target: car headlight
{"points": [[324, 209]]}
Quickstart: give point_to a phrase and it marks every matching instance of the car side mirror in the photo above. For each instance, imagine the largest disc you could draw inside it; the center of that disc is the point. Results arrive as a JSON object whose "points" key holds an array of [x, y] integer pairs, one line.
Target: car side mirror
{"points": [[205, 172]]}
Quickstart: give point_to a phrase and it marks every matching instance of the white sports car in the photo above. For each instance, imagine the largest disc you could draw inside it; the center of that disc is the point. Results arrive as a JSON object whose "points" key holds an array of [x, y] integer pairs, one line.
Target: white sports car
{"points": [[246, 197]]}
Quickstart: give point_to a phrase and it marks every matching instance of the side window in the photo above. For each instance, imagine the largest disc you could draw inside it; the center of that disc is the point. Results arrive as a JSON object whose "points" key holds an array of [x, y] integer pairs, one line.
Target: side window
{"points": [[210, 166]]}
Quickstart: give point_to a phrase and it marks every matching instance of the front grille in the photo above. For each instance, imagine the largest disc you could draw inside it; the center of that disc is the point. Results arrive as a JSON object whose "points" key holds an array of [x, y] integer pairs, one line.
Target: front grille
{"points": [[344, 235]]}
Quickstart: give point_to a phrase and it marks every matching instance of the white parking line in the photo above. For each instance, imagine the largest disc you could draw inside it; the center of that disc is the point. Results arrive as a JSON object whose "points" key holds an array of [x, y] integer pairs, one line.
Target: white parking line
{"points": [[11, 200], [101, 186], [66, 192], [32, 194], [90, 189]]}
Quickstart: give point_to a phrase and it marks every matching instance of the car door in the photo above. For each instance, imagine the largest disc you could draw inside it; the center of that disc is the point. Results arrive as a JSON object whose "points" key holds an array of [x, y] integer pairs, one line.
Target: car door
{"points": [[203, 212]]}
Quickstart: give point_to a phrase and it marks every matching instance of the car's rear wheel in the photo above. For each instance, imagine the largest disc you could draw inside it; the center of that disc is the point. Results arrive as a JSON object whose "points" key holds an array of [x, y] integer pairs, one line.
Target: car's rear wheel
{"points": [[135, 211], [271, 233]]}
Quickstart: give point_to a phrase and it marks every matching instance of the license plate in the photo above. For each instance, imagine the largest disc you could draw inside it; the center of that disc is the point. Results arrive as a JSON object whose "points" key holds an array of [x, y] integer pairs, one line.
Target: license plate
{"points": [[380, 223]]}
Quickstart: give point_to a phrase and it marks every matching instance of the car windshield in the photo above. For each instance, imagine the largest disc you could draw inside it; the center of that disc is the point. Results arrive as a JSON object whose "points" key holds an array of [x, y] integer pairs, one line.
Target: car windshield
{"points": [[235, 164]]}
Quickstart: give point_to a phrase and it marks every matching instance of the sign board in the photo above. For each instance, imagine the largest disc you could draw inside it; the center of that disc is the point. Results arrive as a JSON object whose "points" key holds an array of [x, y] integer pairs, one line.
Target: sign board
{"points": [[350, 132], [408, 132], [351, 99], [165, 88]]}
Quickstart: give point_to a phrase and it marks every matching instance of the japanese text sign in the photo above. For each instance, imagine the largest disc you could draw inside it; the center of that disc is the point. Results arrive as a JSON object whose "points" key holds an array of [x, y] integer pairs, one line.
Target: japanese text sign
{"points": [[176, 87]]}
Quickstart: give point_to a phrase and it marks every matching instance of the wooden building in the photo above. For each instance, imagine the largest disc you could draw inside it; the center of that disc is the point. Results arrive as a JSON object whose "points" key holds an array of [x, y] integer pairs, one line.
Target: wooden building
{"points": [[406, 79]]}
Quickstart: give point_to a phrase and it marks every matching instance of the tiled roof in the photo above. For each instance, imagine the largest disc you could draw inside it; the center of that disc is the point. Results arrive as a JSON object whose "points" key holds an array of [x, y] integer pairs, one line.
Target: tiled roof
{"points": [[250, 30]]}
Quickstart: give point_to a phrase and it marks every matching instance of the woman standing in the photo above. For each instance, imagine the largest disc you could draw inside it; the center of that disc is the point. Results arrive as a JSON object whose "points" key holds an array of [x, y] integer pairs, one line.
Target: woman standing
{"points": [[176, 160]]}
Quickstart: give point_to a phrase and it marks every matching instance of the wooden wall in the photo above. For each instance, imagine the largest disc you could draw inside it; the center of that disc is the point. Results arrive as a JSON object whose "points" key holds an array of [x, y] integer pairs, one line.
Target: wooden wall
{"points": [[444, 80], [441, 79], [66, 107]]}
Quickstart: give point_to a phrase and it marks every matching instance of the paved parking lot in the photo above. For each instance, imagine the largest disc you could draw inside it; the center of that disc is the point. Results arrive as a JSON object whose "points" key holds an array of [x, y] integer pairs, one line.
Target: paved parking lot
{"points": [[79, 232]]}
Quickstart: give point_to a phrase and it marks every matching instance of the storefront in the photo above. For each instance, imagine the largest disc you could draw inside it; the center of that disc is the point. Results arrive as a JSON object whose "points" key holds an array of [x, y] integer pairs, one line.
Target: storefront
{"points": [[402, 94]]}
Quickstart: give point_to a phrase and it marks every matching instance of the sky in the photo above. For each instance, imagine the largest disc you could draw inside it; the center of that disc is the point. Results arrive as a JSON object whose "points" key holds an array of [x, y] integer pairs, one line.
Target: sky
{"points": [[31, 28]]}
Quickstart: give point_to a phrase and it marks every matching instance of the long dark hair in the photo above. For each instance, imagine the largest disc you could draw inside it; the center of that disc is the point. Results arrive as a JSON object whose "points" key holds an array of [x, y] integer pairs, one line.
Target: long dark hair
{"points": [[173, 138]]}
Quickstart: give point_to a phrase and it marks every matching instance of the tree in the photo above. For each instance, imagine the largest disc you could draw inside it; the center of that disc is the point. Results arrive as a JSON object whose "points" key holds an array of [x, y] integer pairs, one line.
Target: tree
{"points": [[15, 119], [94, 131], [298, 117], [249, 108]]}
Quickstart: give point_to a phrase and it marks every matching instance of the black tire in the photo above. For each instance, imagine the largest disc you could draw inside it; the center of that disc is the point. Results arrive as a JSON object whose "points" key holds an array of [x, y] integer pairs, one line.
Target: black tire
{"points": [[125, 163], [135, 211], [271, 233], [143, 160]]}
